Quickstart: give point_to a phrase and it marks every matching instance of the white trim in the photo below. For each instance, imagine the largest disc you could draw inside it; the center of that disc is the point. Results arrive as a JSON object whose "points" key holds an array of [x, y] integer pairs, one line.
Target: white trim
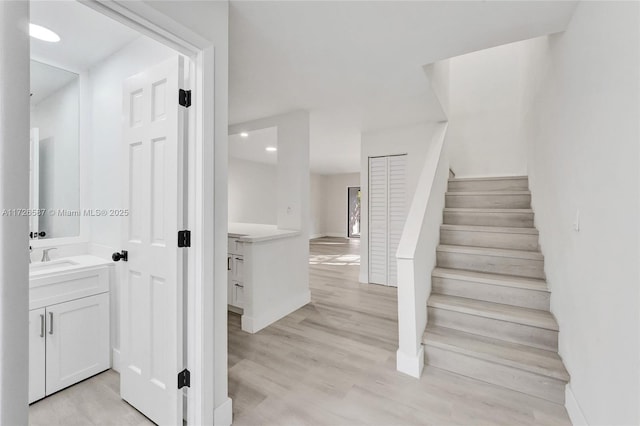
{"points": [[115, 359], [314, 236], [152, 23], [255, 324], [573, 408], [411, 365], [223, 414]]}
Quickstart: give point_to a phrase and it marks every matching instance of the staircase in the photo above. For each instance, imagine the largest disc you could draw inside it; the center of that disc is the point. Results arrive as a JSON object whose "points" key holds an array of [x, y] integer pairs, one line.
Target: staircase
{"points": [[488, 311]]}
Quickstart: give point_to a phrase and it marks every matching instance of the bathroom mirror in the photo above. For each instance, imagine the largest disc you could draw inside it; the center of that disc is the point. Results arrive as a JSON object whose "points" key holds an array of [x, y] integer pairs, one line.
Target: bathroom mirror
{"points": [[55, 150]]}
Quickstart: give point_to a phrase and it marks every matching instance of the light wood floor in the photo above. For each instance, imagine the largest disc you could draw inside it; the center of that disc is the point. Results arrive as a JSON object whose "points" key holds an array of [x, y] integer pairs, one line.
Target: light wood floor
{"points": [[333, 363], [95, 401], [329, 363]]}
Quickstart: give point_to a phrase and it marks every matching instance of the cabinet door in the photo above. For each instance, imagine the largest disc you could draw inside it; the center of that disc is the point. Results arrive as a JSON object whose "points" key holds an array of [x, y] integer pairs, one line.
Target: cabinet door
{"points": [[229, 279], [238, 294], [36, 354], [77, 340], [237, 268]]}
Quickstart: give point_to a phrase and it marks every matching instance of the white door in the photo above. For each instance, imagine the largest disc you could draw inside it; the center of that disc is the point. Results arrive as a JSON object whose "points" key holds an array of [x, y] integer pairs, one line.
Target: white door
{"points": [[151, 310], [397, 212], [387, 215], [36, 354], [77, 336], [34, 177], [378, 231]]}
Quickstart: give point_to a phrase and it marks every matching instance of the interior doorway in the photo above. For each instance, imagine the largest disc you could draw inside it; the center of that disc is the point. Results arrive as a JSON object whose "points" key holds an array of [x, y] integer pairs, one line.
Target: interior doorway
{"points": [[353, 212], [70, 148]]}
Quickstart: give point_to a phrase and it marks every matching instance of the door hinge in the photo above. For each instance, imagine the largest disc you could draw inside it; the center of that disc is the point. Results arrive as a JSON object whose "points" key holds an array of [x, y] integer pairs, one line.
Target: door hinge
{"points": [[184, 238], [184, 379], [184, 98]]}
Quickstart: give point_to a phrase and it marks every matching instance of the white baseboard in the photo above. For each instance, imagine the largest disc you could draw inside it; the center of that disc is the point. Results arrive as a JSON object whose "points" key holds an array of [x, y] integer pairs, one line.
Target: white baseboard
{"points": [[223, 414], [115, 359], [411, 365], [573, 408], [335, 234], [314, 236], [254, 324], [363, 278]]}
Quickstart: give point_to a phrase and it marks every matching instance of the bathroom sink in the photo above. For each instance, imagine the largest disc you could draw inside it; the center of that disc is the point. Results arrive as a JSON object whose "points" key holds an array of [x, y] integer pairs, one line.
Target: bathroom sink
{"points": [[54, 264]]}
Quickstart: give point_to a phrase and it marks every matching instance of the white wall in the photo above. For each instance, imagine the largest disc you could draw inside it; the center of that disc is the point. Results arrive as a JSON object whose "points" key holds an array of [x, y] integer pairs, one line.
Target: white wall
{"points": [[14, 194], [106, 82], [584, 156], [335, 206], [413, 140], [58, 119], [486, 134], [252, 192], [317, 196]]}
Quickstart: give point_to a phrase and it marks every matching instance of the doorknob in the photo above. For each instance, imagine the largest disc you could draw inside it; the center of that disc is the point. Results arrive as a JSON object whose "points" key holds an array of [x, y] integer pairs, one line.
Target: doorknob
{"points": [[123, 255]]}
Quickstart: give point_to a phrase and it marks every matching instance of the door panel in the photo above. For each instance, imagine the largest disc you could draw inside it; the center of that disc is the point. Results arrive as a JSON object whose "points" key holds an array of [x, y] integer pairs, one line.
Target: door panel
{"points": [[152, 295], [397, 211], [387, 215], [378, 230]]}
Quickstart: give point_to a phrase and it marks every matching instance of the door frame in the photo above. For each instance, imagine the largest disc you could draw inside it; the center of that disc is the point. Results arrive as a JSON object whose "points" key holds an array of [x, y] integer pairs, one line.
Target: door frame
{"points": [[202, 155]]}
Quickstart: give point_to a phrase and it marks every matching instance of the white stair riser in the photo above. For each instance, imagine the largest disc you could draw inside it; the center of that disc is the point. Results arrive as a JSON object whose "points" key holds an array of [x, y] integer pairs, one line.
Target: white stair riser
{"points": [[491, 293], [509, 331], [516, 220], [489, 239], [516, 379], [492, 264], [489, 185], [484, 201]]}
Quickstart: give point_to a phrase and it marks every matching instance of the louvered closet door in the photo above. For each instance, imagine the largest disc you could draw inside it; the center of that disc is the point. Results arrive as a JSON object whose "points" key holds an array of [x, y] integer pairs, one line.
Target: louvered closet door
{"points": [[378, 218], [387, 214], [397, 183]]}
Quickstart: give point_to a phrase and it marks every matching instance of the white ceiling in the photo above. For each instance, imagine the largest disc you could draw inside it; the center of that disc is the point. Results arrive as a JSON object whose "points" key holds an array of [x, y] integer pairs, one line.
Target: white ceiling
{"points": [[357, 66], [87, 37], [253, 147], [46, 80]]}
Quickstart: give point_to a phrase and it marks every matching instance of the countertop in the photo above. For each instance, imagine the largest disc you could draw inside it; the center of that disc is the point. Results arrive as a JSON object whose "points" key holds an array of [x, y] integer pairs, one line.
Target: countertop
{"points": [[66, 264], [255, 232]]}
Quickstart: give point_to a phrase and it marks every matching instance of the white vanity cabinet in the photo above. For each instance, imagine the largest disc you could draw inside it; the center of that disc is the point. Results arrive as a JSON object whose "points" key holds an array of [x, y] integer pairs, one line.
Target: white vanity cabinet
{"points": [[68, 328], [235, 267]]}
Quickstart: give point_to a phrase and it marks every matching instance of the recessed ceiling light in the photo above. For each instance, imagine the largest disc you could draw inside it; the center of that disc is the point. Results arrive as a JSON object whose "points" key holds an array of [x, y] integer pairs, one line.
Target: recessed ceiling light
{"points": [[244, 135], [42, 33], [271, 149]]}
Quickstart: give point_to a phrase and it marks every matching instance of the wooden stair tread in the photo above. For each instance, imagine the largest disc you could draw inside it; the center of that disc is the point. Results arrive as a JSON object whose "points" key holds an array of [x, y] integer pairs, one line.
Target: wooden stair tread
{"points": [[484, 251], [496, 229], [484, 210], [527, 358], [494, 279], [497, 311], [474, 179], [487, 193]]}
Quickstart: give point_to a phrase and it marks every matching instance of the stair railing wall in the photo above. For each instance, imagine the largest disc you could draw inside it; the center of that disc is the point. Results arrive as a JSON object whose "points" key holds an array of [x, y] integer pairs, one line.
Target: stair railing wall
{"points": [[416, 255]]}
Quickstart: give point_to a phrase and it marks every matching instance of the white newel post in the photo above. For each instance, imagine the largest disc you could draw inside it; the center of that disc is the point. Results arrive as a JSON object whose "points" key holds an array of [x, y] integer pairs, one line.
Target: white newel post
{"points": [[410, 354], [14, 194]]}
